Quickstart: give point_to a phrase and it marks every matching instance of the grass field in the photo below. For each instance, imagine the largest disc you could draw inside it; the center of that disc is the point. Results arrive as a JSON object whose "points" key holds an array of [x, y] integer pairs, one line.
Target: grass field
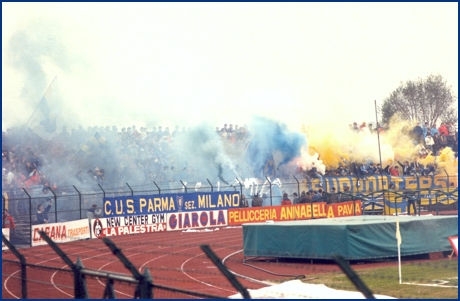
{"points": [[427, 280]]}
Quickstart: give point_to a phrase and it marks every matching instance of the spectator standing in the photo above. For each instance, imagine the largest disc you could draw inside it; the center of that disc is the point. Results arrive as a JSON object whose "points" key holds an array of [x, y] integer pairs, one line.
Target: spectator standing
{"points": [[257, 201], [418, 133], [429, 142], [97, 212], [425, 129], [362, 172], [295, 198], [42, 214], [394, 171], [317, 196], [8, 221], [379, 170], [286, 200], [345, 196], [443, 129], [243, 202], [442, 142], [411, 202], [333, 197], [407, 170], [435, 143], [434, 130], [304, 198], [450, 135], [313, 173]]}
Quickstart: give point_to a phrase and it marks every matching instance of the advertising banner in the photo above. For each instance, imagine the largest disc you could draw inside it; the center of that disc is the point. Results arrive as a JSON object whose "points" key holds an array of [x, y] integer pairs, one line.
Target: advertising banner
{"points": [[124, 225], [6, 233], [276, 213], [168, 203], [349, 208], [294, 212], [61, 232], [196, 219]]}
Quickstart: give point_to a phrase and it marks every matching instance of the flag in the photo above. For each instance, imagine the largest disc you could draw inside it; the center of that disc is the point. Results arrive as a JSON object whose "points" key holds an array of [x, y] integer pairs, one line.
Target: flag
{"points": [[98, 139], [398, 233], [48, 106], [49, 121]]}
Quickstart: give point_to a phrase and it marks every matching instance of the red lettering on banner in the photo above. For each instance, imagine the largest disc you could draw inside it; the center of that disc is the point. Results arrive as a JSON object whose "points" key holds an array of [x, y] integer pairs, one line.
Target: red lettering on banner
{"points": [[221, 218], [187, 221], [195, 220], [212, 219], [203, 219], [55, 232]]}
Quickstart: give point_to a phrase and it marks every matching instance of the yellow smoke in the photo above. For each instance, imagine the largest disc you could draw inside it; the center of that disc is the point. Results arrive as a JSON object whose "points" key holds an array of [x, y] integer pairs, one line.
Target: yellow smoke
{"points": [[447, 162], [336, 144]]}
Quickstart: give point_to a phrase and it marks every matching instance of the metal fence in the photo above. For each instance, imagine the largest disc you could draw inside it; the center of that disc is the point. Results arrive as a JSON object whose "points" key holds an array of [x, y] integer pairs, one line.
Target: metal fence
{"points": [[379, 194]]}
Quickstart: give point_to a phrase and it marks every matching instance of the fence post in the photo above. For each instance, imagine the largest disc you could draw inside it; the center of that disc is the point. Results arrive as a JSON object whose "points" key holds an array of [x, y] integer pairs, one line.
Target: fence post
{"points": [[103, 191], [437, 205], [22, 260], [109, 292], [448, 182], [271, 203], [55, 204], [241, 187], [354, 207], [159, 190], [223, 269], [354, 278], [79, 198], [212, 188], [145, 285], [132, 192], [419, 202], [4, 204], [185, 187], [30, 216], [80, 289], [298, 186]]}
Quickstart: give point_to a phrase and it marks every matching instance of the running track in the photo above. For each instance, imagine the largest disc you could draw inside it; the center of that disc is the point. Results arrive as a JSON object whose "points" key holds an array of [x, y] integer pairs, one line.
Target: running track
{"points": [[174, 259]]}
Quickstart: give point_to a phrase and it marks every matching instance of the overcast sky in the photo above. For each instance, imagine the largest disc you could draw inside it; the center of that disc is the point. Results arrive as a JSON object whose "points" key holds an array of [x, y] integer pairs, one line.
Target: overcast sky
{"points": [[183, 63]]}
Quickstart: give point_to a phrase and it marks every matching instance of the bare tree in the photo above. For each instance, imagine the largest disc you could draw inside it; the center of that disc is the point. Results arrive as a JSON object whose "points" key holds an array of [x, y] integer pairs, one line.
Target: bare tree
{"points": [[430, 100]]}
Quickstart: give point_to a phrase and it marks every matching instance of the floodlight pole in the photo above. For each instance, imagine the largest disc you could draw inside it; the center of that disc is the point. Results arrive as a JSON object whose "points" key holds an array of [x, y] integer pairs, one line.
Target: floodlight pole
{"points": [[378, 137]]}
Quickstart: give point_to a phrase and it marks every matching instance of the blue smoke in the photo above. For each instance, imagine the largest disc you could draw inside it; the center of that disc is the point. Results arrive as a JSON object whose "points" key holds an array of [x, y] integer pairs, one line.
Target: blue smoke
{"points": [[270, 136]]}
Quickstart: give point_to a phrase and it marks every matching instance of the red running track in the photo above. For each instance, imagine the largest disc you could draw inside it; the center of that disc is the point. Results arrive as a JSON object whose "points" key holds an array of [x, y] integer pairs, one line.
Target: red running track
{"points": [[174, 259]]}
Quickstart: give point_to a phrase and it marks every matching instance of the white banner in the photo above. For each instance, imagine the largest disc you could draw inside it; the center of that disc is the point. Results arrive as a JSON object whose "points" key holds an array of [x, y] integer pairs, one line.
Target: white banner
{"points": [[6, 233], [196, 219], [123, 225], [61, 232]]}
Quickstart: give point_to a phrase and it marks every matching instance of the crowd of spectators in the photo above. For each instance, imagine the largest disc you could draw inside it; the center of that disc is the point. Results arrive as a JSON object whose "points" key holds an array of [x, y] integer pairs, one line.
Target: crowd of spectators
{"points": [[101, 155], [113, 157], [427, 141]]}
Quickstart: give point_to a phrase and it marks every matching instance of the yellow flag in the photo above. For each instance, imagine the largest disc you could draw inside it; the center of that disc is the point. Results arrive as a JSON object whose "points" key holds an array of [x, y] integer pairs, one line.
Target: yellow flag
{"points": [[398, 233]]}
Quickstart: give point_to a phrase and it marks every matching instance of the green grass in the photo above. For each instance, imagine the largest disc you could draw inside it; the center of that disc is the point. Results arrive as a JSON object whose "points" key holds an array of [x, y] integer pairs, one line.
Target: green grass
{"points": [[385, 280]]}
